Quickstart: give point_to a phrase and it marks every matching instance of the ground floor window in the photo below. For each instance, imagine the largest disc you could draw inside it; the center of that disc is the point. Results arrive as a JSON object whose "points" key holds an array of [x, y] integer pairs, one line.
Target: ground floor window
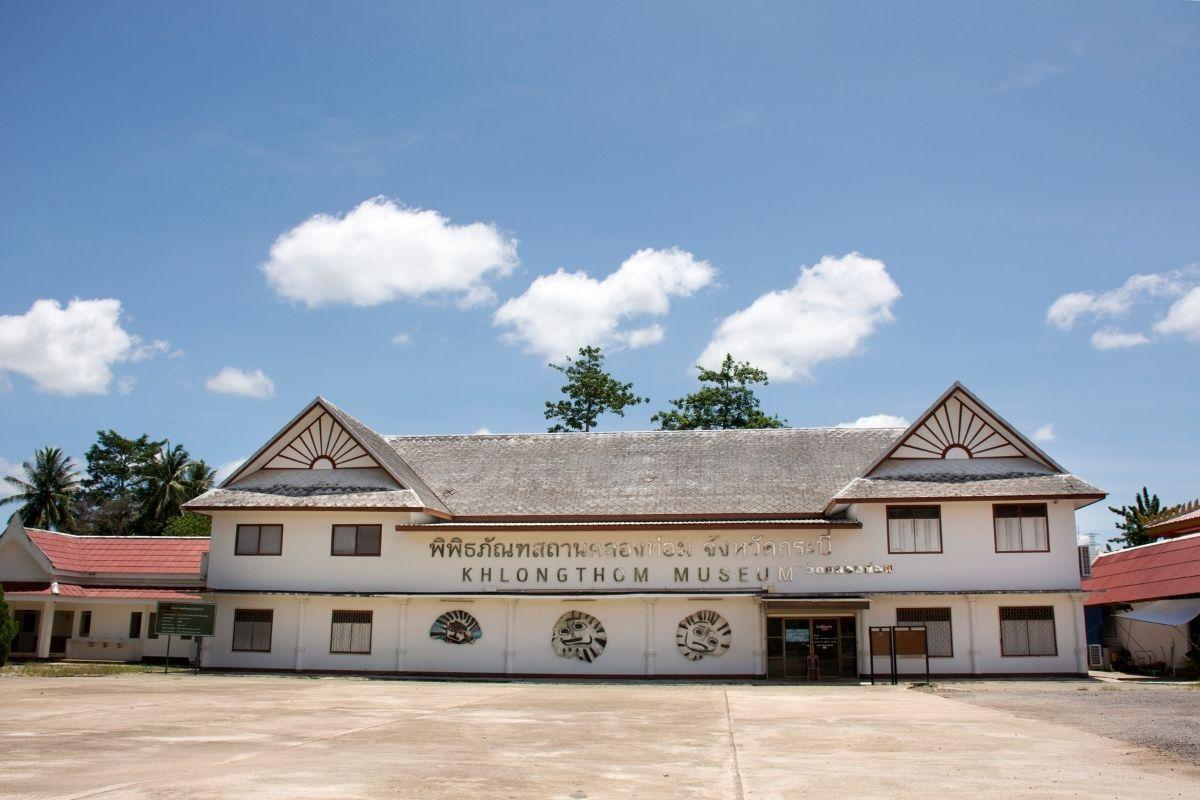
{"points": [[252, 629], [151, 629], [350, 632], [85, 623], [1028, 631], [135, 625], [939, 640]]}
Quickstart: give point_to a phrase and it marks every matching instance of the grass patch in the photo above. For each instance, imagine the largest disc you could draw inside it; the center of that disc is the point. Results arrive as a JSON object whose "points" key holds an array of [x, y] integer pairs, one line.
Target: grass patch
{"points": [[70, 669]]}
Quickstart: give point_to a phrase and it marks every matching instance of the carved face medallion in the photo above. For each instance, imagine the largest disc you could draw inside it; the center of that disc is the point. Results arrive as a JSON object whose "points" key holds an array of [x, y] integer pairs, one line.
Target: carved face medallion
{"points": [[578, 635], [456, 627], [705, 633]]}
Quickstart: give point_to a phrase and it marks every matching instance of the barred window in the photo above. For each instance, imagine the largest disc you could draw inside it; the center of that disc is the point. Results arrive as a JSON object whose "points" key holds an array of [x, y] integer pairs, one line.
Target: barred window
{"points": [[914, 529], [356, 540], [1021, 528], [259, 540], [939, 640], [350, 632], [252, 629], [1028, 631]]}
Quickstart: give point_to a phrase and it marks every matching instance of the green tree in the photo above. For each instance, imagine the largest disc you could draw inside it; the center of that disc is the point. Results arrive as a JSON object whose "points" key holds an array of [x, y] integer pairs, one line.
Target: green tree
{"points": [[115, 463], [592, 392], [725, 400], [47, 494], [163, 487], [8, 629], [113, 516], [188, 524], [1134, 519], [198, 478]]}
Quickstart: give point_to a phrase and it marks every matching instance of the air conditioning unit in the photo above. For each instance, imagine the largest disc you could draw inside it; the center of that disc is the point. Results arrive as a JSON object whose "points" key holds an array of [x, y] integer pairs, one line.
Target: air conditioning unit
{"points": [[1095, 657], [1085, 560]]}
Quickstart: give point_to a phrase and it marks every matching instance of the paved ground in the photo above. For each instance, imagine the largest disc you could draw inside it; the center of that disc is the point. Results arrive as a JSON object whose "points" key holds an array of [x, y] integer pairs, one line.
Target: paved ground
{"points": [[1165, 717], [181, 736]]}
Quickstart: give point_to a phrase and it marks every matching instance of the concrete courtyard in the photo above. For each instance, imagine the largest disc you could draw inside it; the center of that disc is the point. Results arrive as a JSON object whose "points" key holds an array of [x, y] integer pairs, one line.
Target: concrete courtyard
{"points": [[215, 736]]}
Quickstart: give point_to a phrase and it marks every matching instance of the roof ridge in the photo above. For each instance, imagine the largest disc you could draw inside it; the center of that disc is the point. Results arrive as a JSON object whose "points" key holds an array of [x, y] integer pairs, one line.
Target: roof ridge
{"points": [[119, 536], [548, 434], [1155, 543]]}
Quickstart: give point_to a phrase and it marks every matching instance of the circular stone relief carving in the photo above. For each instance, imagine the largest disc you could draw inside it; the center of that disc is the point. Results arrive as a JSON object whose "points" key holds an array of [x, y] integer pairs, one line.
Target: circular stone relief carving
{"points": [[456, 627], [705, 633], [578, 635]]}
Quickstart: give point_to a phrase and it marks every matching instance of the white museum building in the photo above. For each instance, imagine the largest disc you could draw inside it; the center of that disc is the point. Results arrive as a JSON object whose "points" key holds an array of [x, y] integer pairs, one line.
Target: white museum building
{"points": [[729, 553]]}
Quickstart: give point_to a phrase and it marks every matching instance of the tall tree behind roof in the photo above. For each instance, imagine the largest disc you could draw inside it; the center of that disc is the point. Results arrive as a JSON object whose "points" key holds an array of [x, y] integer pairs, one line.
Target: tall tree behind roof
{"points": [[591, 391], [1135, 518], [725, 400], [47, 494]]}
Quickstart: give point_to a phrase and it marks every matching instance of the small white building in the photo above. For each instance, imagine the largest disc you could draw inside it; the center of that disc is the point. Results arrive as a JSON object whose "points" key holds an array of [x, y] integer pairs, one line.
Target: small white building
{"points": [[739, 553], [94, 597]]}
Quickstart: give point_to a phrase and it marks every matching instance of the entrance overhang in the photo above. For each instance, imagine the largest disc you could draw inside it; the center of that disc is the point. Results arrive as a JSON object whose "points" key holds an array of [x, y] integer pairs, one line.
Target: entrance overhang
{"points": [[814, 606]]}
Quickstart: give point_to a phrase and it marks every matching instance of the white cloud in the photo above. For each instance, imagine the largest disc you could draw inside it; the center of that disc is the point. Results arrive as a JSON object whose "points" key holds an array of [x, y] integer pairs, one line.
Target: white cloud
{"points": [[1044, 434], [227, 469], [125, 384], [401, 339], [381, 251], [231, 380], [1070, 307], [877, 421], [9, 469], [1181, 286], [1183, 317], [562, 312], [483, 432], [832, 309], [70, 350], [1113, 339]]}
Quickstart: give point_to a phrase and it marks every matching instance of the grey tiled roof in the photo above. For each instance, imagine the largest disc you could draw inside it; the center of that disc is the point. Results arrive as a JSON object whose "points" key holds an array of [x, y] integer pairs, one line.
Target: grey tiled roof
{"points": [[996, 484], [305, 488], [646, 473]]}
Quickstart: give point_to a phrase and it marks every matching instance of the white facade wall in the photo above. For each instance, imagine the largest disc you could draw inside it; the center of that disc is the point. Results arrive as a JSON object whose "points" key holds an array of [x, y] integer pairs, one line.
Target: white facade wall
{"points": [[410, 584]]}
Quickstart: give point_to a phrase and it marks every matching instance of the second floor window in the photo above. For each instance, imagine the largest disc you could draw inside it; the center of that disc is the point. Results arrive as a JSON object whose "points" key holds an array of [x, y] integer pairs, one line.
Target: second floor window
{"points": [[1021, 528], [259, 540], [914, 529], [357, 540]]}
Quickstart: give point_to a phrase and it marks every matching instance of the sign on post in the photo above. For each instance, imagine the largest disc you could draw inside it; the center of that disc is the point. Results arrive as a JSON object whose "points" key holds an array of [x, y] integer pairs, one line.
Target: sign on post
{"points": [[184, 619]]}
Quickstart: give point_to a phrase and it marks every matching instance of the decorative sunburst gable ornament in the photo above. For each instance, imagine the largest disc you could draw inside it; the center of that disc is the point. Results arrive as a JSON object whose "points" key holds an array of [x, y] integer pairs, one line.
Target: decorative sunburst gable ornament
{"points": [[704, 633], [578, 635], [955, 429], [456, 627], [324, 444]]}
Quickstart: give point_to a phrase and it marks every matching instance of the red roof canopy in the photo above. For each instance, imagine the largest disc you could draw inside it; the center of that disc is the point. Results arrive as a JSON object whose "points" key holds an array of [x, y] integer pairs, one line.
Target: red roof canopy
{"points": [[125, 555], [75, 591], [1170, 568]]}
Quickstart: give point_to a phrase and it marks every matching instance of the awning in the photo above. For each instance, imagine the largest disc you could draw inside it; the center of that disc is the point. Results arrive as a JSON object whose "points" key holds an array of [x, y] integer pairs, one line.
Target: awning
{"points": [[1165, 612]]}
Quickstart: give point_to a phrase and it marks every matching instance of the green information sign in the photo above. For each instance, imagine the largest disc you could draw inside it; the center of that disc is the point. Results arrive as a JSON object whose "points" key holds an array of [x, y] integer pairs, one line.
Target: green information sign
{"points": [[185, 619]]}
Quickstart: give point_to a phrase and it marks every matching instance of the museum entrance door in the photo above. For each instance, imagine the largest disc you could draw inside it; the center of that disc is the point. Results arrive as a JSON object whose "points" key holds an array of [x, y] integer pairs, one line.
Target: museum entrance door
{"points": [[811, 648]]}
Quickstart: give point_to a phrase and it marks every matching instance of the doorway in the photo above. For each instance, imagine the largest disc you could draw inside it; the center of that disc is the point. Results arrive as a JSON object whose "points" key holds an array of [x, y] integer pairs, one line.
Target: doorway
{"points": [[25, 642], [821, 647]]}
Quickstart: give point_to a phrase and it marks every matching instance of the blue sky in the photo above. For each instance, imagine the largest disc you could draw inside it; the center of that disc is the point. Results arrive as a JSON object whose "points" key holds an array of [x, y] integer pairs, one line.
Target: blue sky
{"points": [[984, 161]]}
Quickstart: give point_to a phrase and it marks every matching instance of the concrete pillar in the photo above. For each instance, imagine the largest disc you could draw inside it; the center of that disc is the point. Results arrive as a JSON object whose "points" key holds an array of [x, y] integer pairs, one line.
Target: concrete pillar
{"points": [[760, 663], [1079, 626], [973, 648], [650, 651], [45, 629], [862, 635], [510, 636], [301, 605], [401, 633]]}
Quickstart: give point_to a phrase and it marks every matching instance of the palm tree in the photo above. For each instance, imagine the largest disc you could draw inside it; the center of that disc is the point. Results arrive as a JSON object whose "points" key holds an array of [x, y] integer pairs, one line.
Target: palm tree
{"points": [[198, 477], [47, 494], [163, 485]]}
